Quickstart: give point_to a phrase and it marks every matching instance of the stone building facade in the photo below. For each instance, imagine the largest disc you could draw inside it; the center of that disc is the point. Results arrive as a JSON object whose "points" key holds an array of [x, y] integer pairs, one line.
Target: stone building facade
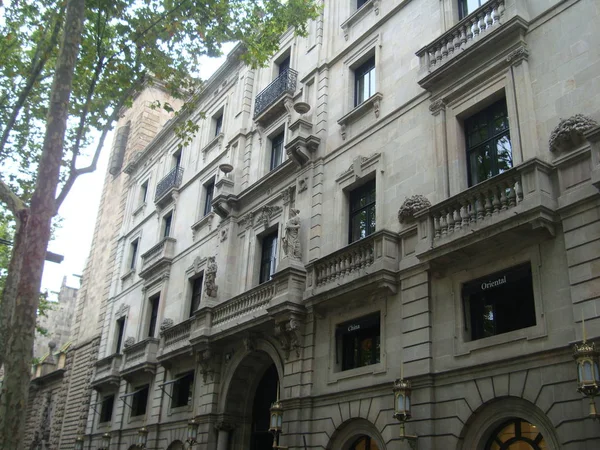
{"points": [[393, 195]]}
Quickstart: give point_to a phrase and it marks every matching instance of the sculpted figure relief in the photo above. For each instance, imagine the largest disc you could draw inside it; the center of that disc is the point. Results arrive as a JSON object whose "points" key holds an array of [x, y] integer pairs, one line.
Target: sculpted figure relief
{"points": [[291, 238], [210, 284]]}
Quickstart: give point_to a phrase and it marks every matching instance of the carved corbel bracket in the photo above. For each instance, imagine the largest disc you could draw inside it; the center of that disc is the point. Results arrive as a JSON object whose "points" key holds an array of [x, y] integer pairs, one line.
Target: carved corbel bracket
{"points": [[289, 335], [205, 359]]}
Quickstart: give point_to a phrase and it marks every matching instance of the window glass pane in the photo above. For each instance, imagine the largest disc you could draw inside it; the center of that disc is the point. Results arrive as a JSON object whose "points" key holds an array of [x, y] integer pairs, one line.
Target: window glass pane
{"points": [[359, 225], [480, 165], [504, 153]]}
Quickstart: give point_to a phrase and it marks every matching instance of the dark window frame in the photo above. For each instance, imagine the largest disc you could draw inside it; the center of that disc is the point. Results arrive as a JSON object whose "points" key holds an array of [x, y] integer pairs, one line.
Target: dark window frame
{"points": [[499, 302], [277, 151], [196, 298], [485, 122], [365, 73], [106, 408], [268, 257], [360, 3], [352, 337], [366, 193], [144, 192], [218, 124], [154, 302], [167, 224], [139, 401], [135, 244], [283, 65], [184, 380], [209, 192], [120, 332], [463, 8]]}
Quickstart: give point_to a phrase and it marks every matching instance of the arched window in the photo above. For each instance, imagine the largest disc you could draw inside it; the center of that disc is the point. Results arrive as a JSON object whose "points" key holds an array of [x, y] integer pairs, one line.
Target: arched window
{"points": [[516, 434], [364, 443]]}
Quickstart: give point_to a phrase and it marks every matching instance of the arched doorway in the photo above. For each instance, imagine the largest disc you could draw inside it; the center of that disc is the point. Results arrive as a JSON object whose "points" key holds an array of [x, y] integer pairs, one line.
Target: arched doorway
{"points": [[249, 390], [364, 443], [356, 434], [516, 434]]}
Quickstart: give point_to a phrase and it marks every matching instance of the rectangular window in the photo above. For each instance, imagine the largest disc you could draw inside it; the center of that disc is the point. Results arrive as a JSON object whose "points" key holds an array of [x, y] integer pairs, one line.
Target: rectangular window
{"points": [[139, 401], [358, 342], [466, 7], [268, 257], [276, 151], [183, 389], [362, 211], [133, 252], [284, 65], [196, 294], [154, 302], [106, 410], [167, 220], [499, 302], [120, 331], [144, 192], [209, 190], [218, 124], [489, 150], [360, 3], [364, 81], [177, 159]]}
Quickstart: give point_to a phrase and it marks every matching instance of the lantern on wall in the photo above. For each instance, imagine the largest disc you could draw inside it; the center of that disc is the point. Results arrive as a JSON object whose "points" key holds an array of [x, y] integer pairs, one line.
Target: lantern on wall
{"points": [[588, 372], [105, 441], [276, 421], [402, 409], [192, 432], [79, 443], [142, 437]]}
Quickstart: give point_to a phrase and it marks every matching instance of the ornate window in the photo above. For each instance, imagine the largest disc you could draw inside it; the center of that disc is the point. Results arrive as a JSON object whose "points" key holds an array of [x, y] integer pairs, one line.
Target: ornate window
{"points": [[364, 443], [516, 434], [362, 211], [268, 257], [489, 151]]}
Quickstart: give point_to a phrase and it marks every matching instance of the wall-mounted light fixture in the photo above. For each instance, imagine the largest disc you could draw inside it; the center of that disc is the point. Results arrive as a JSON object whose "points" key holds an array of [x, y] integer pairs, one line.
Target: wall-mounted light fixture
{"points": [[276, 421], [588, 370], [105, 441], [192, 432], [402, 412], [142, 437]]}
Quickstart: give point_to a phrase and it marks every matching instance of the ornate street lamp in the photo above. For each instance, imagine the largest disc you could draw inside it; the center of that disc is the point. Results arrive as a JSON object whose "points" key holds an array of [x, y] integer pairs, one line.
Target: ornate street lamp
{"points": [[79, 443], [276, 421], [192, 432], [588, 371], [142, 437], [402, 412], [105, 441]]}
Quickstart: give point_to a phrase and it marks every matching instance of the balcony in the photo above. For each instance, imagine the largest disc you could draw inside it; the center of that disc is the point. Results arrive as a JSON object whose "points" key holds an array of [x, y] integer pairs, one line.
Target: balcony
{"points": [[140, 357], [513, 208], [491, 31], [270, 101], [166, 186], [175, 340], [368, 264], [158, 258], [107, 372]]}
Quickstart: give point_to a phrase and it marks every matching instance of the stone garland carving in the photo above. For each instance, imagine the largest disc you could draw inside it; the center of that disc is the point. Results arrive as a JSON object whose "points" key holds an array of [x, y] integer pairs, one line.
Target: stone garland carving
{"points": [[129, 342], [411, 206], [569, 132], [210, 277], [265, 214], [166, 324], [288, 334], [291, 237]]}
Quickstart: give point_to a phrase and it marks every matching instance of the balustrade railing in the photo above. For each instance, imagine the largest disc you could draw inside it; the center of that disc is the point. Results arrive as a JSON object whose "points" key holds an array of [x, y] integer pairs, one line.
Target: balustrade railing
{"points": [[351, 259], [466, 32], [285, 82], [164, 249], [140, 353], [108, 366], [177, 336], [170, 181], [243, 304]]}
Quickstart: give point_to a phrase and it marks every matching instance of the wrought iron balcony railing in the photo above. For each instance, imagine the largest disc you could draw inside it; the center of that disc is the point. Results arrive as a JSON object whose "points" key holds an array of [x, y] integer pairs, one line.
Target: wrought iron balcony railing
{"points": [[170, 181], [285, 82]]}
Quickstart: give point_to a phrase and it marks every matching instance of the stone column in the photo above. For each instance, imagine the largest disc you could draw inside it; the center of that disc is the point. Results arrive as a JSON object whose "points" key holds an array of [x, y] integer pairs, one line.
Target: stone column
{"points": [[442, 178], [223, 428]]}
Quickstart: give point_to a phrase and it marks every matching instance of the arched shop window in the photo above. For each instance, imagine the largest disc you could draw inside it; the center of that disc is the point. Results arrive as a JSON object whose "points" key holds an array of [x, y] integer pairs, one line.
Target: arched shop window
{"points": [[364, 443], [516, 434]]}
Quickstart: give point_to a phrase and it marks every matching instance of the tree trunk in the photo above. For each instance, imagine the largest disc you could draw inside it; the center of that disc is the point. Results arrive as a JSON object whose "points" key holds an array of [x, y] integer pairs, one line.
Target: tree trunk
{"points": [[33, 236]]}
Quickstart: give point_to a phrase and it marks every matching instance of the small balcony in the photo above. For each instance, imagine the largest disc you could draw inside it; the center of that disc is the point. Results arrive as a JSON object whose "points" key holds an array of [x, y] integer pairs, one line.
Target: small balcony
{"points": [[158, 258], [175, 340], [270, 101], [514, 208], [140, 357], [489, 31], [166, 186], [107, 372], [368, 264]]}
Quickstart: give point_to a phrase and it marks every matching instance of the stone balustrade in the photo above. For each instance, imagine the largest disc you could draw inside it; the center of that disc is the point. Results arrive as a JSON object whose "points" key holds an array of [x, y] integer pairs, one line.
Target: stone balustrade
{"points": [[141, 355], [464, 34], [175, 337], [255, 299], [107, 369], [377, 252], [159, 255]]}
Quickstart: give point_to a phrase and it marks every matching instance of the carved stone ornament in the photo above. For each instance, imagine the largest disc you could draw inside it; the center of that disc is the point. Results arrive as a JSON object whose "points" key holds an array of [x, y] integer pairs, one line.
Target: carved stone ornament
{"points": [[247, 220], [291, 237], [302, 184], [568, 133], [411, 206], [376, 105], [122, 310], [266, 212], [204, 358], [343, 131], [287, 195], [437, 106], [129, 342], [210, 283], [197, 263], [166, 324], [288, 334], [223, 234], [517, 54], [249, 341]]}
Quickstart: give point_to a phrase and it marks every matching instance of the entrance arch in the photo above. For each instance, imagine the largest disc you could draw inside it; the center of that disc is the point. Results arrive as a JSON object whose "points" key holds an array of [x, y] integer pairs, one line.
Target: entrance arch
{"points": [[356, 434], [250, 388], [508, 423]]}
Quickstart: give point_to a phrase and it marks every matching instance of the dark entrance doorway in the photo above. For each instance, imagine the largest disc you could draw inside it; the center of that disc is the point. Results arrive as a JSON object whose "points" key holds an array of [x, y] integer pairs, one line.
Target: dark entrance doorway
{"points": [[266, 394]]}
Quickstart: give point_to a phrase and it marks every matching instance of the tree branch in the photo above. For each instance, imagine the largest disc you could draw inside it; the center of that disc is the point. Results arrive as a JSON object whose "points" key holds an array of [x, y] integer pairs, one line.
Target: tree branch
{"points": [[12, 200]]}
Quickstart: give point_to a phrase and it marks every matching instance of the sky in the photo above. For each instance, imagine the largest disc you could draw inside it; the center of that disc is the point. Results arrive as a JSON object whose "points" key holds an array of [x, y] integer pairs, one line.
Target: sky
{"points": [[74, 238]]}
